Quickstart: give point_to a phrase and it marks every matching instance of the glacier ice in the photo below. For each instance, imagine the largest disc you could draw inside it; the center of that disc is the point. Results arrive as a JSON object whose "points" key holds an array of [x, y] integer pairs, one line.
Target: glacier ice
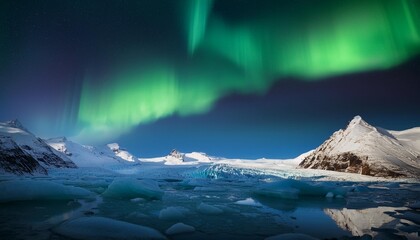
{"points": [[27, 190], [129, 188], [173, 213], [179, 228], [209, 209], [249, 202]]}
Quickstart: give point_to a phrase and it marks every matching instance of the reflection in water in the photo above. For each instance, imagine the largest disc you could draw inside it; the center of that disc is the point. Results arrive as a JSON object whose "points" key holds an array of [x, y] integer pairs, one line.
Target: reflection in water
{"points": [[360, 222], [384, 211]]}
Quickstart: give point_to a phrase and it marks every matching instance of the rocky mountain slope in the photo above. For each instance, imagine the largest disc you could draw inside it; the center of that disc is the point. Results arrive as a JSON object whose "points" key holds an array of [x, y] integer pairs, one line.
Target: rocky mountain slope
{"points": [[22, 152], [365, 149]]}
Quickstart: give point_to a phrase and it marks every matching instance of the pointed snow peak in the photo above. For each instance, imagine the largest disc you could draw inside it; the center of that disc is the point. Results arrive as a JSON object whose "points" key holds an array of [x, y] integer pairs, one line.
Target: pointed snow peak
{"points": [[15, 123], [114, 146], [357, 121]]}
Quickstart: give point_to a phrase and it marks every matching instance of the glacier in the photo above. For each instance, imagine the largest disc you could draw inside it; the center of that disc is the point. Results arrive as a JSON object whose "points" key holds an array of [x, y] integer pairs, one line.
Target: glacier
{"points": [[105, 192]]}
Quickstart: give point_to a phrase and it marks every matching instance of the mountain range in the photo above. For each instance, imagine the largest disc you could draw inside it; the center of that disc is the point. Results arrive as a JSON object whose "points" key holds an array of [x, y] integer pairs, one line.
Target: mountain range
{"points": [[358, 148]]}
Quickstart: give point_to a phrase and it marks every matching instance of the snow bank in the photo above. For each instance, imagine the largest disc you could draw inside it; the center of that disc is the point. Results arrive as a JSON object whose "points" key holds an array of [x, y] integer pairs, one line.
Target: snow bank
{"points": [[196, 156], [105, 228], [208, 209], [179, 228], [291, 236], [129, 188], [293, 189], [24, 190], [173, 213]]}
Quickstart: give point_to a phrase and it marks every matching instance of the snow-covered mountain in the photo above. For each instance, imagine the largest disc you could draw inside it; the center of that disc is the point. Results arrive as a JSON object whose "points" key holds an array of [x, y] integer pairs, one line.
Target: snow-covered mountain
{"points": [[177, 158], [22, 152], [365, 149], [89, 156]]}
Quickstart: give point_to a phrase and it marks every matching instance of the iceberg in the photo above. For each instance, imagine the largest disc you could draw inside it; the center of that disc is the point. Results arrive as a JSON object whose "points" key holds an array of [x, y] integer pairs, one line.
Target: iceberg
{"points": [[208, 209], [179, 228], [27, 190], [129, 188], [173, 213]]}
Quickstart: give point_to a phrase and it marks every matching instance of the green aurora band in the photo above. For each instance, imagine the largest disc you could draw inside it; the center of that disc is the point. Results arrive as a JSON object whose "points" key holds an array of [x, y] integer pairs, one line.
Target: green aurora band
{"points": [[248, 56], [197, 14]]}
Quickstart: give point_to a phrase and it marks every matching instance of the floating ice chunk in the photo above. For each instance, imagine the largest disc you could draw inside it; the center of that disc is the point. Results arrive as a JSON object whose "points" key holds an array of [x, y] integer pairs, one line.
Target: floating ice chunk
{"points": [[105, 228], [136, 200], [129, 188], [24, 190], [208, 209], [173, 213], [291, 236], [249, 202], [179, 228], [329, 195]]}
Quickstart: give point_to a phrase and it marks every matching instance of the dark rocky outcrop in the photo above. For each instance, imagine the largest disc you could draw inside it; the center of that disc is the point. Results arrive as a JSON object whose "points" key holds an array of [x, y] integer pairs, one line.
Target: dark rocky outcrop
{"points": [[14, 160], [21, 152], [347, 162]]}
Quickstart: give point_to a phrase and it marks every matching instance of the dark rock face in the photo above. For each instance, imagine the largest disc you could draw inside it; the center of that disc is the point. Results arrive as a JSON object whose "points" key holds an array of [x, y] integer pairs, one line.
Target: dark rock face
{"points": [[174, 153], [48, 157], [14, 160], [22, 152], [346, 162]]}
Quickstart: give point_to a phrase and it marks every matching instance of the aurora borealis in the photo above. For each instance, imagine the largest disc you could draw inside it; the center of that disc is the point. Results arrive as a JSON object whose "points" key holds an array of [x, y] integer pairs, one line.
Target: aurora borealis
{"points": [[101, 71]]}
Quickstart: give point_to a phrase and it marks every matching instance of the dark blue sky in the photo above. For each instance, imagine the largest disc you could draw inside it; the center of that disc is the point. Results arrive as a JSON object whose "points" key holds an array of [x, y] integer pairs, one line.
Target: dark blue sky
{"points": [[239, 78], [292, 118]]}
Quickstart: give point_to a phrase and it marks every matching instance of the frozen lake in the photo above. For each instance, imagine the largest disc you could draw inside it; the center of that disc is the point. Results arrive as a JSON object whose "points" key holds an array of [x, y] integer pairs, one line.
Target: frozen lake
{"points": [[219, 201]]}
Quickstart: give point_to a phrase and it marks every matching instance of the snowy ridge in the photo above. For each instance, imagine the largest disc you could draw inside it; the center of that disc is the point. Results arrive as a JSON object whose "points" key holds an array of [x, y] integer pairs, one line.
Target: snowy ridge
{"points": [[192, 158], [362, 148], [22, 152], [89, 156]]}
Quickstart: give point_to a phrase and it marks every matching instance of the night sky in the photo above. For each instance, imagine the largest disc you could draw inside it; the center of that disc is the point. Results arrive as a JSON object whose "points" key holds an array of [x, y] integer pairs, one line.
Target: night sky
{"points": [[237, 78]]}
